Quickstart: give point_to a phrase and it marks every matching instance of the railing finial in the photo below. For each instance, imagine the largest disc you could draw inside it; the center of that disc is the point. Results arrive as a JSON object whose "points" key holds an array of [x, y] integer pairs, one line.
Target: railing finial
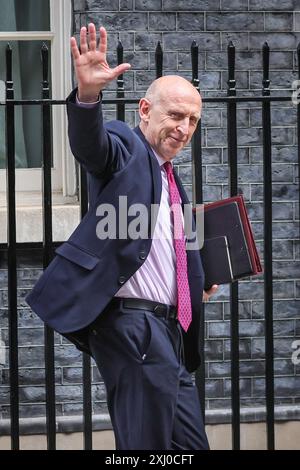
{"points": [[159, 60], [266, 63], [8, 55], [120, 51], [231, 91], [194, 59], [120, 83], [45, 62]]}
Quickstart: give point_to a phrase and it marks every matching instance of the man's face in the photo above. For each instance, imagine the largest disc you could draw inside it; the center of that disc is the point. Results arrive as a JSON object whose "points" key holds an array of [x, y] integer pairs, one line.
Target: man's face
{"points": [[171, 121]]}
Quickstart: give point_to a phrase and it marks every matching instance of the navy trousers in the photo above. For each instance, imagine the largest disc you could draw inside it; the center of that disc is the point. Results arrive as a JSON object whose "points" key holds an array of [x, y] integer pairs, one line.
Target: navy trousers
{"points": [[151, 398]]}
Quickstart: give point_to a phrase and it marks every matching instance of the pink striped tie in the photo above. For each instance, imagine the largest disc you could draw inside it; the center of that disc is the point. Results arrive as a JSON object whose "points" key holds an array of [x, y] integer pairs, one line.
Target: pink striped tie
{"points": [[183, 291]]}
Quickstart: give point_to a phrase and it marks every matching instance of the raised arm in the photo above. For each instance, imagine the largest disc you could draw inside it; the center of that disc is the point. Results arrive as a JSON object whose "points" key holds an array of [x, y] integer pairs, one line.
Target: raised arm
{"points": [[91, 144], [91, 68]]}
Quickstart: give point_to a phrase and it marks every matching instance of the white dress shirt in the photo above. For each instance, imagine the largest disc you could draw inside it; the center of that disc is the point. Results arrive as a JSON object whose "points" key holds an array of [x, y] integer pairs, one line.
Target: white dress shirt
{"points": [[156, 278]]}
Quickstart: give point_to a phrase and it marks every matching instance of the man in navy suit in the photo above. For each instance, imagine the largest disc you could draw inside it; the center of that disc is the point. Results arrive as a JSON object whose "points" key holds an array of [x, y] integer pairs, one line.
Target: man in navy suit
{"points": [[116, 295]]}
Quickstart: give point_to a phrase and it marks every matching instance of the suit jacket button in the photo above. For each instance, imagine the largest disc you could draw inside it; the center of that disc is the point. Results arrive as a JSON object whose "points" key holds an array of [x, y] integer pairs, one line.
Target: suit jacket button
{"points": [[142, 255], [122, 280]]}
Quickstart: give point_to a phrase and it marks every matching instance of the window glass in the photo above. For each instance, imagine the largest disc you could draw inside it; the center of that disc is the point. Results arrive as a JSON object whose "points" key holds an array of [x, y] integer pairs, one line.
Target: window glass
{"points": [[24, 15]]}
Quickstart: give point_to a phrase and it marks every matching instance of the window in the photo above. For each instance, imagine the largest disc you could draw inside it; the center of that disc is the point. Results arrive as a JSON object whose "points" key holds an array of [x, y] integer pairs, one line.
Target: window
{"points": [[26, 25]]}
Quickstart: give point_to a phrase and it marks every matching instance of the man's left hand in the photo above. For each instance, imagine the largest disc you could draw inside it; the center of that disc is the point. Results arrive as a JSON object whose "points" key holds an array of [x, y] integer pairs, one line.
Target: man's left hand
{"points": [[208, 293]]}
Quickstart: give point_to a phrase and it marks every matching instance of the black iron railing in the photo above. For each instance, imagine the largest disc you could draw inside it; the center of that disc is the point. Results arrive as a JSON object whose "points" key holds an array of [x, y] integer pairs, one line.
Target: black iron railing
{"points": [[47, 246]]}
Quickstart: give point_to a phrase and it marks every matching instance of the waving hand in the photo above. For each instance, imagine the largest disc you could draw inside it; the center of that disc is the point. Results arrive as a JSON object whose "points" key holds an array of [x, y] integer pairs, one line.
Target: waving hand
{"points": [[92, 70]]}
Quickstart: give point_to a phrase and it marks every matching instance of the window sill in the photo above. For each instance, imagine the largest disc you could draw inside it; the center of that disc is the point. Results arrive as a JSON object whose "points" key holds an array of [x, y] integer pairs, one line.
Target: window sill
{"points": [[65, 211]]}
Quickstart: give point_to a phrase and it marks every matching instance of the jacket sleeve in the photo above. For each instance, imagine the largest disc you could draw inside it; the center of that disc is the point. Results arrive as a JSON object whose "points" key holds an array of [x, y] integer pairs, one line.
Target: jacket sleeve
{"points": [[100, 152]]}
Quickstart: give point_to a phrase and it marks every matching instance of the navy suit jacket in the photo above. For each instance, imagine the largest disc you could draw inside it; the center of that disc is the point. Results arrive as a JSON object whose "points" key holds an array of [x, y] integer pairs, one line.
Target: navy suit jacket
{"points": [[87, 272]]}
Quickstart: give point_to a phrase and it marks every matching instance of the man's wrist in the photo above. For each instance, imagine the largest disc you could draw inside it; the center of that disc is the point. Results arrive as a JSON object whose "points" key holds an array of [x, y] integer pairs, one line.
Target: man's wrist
{"points": [[87, 103], [87, 100], [84, 97]]}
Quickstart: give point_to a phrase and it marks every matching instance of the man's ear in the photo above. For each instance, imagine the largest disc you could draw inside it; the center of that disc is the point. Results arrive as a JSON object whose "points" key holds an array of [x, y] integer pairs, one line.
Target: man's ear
{"points": [[144, 109]]}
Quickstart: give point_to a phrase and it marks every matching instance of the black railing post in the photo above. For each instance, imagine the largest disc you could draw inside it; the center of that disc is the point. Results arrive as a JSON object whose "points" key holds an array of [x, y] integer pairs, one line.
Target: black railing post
{"points": [[11, 256], [198, 199], [120, 85], [196, 141], [48, 249], [86, 360], [268, 259], [234, 293], [159, 55]]}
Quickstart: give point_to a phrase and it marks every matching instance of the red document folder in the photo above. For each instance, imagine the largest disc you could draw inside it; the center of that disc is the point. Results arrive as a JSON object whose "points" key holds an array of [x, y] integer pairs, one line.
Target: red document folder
{"points": [[229, 251]]}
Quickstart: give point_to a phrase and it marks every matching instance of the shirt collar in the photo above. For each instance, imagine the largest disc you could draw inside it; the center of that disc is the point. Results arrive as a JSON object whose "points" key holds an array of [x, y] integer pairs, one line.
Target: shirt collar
{"points": [[160, 160]]}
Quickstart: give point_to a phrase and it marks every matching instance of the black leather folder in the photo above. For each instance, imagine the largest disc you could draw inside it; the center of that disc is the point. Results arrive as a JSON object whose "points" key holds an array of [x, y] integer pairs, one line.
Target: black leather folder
{"points": [[229, 251]]}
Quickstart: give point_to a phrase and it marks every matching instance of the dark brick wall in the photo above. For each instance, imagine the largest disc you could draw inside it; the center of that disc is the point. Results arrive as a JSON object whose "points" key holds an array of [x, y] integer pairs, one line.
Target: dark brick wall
{"points": [[68, 359], [139, 24]]}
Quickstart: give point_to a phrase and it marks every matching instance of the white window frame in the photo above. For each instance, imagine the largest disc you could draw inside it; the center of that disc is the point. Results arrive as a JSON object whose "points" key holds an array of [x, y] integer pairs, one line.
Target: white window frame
{"points": [[63, 171]]}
